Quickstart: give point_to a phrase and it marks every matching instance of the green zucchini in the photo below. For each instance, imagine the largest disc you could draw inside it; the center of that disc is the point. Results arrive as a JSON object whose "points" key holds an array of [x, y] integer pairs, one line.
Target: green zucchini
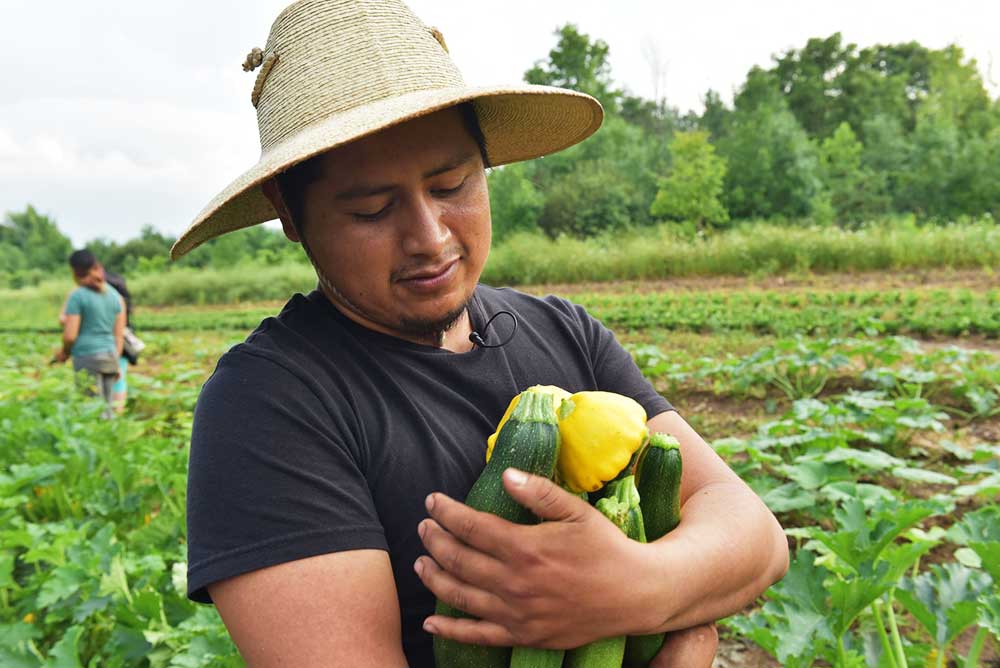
{"points": [[532, 657], [528, 441], [621, 506], [659, 484]]}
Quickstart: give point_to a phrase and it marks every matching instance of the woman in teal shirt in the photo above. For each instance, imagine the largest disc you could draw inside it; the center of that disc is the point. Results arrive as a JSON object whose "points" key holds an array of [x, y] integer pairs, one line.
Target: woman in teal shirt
{"points": [[93, 326]]}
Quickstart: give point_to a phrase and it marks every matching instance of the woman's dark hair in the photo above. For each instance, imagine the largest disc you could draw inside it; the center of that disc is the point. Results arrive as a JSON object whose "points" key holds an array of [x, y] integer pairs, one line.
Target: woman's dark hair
{"points": [[82, 261], [293, 181]]}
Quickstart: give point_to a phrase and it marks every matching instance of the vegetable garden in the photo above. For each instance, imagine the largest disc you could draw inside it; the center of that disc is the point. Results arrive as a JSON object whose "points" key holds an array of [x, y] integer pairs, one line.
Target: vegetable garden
{"points": [[867, 419]]}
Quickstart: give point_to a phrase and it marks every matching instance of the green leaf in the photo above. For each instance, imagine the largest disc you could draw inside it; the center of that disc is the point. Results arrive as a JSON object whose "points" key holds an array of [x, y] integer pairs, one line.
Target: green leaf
{"points": [[788, 497], [944, 599], [989, 613], [798, 615], [989, 554], [61, 583], [923, 475], [64, 653], [873, 460], [862, 537], [869, 495], [988, 486]]}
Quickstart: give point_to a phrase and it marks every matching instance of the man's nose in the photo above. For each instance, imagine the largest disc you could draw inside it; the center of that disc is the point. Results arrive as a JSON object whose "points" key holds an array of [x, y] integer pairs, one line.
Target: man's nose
{"points": [[425, 231]]}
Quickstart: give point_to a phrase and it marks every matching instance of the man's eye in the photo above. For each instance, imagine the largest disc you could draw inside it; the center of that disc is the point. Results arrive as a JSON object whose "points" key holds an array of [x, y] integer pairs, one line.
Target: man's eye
{"points": [[444, 192], [372, 217]]}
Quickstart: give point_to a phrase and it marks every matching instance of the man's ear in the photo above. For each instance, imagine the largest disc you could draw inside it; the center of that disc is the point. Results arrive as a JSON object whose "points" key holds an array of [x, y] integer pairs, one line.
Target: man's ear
{"points": [[273, 195]]}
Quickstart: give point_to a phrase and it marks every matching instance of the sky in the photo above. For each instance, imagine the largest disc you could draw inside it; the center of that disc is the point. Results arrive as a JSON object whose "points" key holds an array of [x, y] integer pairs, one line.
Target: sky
{"points": [[119, 114]]}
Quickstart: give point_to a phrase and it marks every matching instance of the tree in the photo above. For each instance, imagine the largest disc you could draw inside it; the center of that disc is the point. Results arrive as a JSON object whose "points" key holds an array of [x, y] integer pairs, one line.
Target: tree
{"points": [[773, 167], [515, 202], [36, 238], [855, 192], [809, 79], [715, 118], [624, 155], [589, 200], [578, 63], [692, 189]]}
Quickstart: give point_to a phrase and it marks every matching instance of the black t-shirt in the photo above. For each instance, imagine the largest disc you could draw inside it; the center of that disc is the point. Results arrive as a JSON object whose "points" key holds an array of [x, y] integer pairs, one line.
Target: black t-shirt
{"points": [[318, 435]]}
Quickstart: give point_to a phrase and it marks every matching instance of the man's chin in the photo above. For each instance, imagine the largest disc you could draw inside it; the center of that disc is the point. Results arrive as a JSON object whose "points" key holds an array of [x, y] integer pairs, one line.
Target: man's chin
{"points": [[431, 328]]}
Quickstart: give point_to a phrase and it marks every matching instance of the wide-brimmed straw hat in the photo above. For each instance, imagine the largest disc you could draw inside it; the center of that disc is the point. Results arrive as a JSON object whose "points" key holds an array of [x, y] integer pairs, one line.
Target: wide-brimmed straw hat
{"points": [[334, 71]]}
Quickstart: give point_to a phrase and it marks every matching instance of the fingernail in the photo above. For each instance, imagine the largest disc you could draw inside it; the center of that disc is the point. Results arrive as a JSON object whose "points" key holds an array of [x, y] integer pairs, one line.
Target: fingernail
{"points": [[422, 529], [418, 566], [516, 477], [429, 502], [430, 628]]}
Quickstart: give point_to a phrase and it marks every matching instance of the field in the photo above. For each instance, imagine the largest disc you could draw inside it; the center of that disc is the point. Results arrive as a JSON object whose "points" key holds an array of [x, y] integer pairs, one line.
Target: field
{"points": [[864, 409]]}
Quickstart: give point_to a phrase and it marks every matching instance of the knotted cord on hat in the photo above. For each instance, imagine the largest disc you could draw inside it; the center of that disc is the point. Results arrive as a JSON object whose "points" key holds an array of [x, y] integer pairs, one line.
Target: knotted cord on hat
{"points": [[439, 36], [254, 60]]}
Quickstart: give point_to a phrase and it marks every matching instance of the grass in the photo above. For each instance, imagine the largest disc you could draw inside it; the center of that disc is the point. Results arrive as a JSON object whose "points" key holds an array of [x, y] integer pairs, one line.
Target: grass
{"points": [[753, 249]]}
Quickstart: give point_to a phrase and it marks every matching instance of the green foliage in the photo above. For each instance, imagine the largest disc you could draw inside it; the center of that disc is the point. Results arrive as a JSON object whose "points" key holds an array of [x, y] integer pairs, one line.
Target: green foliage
{"points": [[31, 244], [592, 198], [92, 553], [579, 63], [693, 186], [773, 168], [515, 202], [856, 193], [945, 600]]}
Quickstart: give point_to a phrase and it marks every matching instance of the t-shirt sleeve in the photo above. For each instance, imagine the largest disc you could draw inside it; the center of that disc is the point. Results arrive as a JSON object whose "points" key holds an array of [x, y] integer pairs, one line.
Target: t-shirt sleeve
{"points": [[273, 476], [74, 303], [614, 368]]}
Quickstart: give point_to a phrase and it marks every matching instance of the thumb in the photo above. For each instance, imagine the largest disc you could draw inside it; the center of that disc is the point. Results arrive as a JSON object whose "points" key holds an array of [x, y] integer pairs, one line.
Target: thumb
{"points": [[542, 496]]}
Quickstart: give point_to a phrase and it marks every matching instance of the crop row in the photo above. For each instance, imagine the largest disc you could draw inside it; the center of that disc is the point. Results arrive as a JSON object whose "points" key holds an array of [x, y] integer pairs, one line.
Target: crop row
{"points": [[913, 312]]}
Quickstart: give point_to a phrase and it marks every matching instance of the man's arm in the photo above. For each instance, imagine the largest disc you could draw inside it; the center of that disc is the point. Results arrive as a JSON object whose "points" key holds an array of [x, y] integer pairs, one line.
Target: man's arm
{"points": [[334, 609], [542, 585], [71, 330]]}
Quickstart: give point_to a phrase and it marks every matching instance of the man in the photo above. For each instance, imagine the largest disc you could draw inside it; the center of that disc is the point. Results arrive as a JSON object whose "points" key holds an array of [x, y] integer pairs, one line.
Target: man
{"points": [[330, 450], [93, 321]]}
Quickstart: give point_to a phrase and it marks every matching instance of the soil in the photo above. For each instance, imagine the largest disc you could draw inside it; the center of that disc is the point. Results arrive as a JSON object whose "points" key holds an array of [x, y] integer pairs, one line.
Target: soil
{"points": [[735, 653], [973, 279]]}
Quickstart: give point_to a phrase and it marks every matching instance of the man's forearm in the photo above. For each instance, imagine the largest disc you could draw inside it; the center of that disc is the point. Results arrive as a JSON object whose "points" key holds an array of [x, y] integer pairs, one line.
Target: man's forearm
{"points": [[727, 550]]}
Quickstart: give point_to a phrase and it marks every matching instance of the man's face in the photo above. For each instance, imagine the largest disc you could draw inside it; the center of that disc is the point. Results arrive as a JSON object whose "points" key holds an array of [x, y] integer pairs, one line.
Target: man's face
{"points": [[93, 279], [398, 226]]}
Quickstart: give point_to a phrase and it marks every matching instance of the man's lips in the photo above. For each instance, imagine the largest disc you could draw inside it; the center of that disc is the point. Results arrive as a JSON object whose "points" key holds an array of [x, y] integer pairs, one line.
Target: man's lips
{"points": [[431, 278], [429, 273]]}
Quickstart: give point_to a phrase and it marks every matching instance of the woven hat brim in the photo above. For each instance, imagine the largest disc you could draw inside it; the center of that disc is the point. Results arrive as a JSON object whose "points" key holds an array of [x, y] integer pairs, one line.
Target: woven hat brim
{"points": [[518, 123]]}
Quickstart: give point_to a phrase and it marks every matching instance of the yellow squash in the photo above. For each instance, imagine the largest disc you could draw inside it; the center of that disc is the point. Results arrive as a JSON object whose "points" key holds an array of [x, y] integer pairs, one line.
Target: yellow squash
{"points": [[600, 431], [558, 394]]}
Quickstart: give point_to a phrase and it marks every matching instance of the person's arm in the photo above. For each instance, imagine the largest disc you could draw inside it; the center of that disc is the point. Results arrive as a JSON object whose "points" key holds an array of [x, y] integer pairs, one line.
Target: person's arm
{"points": [[62, 312], [119, 329], [71, 330], [575, 578], [334, 609]]}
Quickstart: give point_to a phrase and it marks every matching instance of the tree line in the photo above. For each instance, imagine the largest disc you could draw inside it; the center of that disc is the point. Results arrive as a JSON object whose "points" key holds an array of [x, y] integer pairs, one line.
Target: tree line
{"points": [[829, 134]]}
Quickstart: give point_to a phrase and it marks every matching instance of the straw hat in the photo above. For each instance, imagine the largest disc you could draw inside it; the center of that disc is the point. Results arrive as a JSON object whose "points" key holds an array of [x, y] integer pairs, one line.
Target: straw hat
{"points": [[337, 70]]}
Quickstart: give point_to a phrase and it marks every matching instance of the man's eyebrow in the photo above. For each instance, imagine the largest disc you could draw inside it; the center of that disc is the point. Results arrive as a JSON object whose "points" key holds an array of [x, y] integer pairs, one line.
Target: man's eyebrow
{"points": [[362, 191]]}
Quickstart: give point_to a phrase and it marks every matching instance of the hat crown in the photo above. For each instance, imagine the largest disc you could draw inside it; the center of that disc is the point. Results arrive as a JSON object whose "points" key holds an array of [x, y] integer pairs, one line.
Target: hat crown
{"points": [[335, 55]]}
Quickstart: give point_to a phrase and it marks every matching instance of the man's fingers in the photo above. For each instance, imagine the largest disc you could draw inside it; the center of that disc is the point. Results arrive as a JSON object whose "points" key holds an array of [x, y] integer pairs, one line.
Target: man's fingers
{"points": [[485, 532], [543, 497], [463, 562], [689, 648], [454, 592], [471, 631]]}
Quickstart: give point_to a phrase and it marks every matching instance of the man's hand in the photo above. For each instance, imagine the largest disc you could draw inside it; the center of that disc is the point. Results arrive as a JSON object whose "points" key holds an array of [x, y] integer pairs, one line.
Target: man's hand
{"points": [[689, 648], [60, 356], [557, 584]]}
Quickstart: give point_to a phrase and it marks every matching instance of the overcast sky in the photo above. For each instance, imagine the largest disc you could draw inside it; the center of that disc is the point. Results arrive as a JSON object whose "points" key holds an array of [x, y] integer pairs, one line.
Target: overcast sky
{"points": [[115, 114]]}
